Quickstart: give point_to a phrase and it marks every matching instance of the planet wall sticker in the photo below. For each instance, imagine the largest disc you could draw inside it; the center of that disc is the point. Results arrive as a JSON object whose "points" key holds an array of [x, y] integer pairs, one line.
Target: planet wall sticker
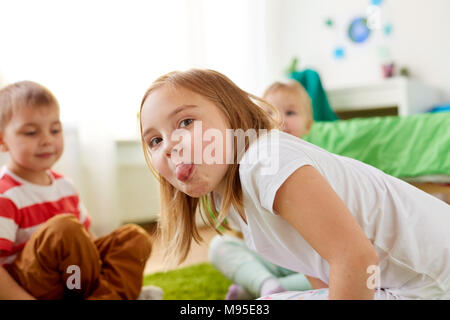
{"points": [[358, 31], [360, 28]]}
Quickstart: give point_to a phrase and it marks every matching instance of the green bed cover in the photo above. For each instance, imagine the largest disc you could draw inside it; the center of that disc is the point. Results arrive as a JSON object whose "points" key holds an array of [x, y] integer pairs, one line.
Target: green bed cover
{"points": [[404, 147]]}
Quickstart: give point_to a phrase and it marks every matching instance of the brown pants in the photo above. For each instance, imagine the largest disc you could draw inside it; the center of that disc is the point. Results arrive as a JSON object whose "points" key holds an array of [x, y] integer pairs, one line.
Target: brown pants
{"points": [[110, 267]]}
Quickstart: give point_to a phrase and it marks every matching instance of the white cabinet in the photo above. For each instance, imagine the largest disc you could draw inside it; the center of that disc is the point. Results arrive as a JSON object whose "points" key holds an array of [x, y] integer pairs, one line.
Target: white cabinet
{"points": [[137, 190], [395, 96]]}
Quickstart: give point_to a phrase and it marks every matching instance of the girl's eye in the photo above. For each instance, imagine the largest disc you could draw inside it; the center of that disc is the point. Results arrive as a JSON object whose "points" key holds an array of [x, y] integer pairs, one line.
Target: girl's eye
{"points": [[56, 131], [30, 133], [290, 113], [186, 122], [154, 142]]}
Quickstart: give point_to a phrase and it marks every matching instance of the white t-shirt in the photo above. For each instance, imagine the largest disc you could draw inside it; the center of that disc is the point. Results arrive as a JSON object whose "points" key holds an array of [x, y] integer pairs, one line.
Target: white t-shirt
{"points": [[409, 228]]}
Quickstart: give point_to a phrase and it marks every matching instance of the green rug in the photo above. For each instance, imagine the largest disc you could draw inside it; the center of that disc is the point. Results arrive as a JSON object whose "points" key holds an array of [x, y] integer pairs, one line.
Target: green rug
{"points": [[198, 282]]}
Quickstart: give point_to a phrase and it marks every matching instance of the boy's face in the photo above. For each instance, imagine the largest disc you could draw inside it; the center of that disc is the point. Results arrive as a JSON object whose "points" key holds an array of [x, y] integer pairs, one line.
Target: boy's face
{"points": [[293, 114], [33, 137], [185, 134]]}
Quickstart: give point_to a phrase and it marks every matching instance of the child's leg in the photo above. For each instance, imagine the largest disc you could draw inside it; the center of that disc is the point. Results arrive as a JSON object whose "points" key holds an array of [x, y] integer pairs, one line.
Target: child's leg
{"points": [[124, 254], [239, 264], [43, 268], [295, 282]]}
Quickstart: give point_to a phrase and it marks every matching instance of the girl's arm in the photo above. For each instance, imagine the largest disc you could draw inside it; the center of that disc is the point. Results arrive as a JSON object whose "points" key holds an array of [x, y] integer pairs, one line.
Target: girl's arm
{"points": [[308, 203], [10, 289]]}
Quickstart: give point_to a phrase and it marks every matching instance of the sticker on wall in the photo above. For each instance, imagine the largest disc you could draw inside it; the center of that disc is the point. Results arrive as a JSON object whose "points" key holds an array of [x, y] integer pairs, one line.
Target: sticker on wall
{"points": [[364, 30], [329, 22], [387, 29], [339, 53], [358, 31]]}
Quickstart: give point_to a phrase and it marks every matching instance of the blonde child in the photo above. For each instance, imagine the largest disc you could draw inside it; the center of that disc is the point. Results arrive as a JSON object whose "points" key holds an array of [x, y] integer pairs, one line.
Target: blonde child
{"points": [[293, 104], [361, 232], [252, 275], [46, 251]]}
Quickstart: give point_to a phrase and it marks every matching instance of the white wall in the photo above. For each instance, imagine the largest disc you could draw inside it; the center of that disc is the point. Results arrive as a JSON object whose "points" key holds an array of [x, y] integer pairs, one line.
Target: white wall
{"points": [[420, 40], [99, 57]]}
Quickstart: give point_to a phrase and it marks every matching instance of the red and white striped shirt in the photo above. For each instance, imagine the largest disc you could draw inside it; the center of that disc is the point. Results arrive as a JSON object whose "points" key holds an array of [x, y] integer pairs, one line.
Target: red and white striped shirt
{"points": [[25, 206]]}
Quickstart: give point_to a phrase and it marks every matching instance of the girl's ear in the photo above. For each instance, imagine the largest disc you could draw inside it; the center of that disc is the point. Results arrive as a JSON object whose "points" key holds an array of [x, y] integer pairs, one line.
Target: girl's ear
{"points": [[308, 127], [3, 146]]}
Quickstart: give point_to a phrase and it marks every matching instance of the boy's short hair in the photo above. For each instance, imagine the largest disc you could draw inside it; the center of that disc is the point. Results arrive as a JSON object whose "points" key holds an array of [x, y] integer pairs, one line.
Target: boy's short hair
{"points": [[293, 85], [23, 94]]}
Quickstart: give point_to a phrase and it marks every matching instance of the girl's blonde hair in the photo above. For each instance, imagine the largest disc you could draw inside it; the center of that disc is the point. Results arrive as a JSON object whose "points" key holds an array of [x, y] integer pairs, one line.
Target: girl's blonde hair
{"points": [[294, 86], [177, 224]]}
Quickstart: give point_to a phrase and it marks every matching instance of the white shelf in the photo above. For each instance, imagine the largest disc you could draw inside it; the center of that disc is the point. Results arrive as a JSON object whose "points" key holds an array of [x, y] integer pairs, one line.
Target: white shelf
{"points": [[407, 95]]}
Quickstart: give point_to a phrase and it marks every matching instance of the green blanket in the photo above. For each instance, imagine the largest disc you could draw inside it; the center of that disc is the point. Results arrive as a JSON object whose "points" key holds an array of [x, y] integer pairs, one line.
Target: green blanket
{"points": [[404, 147]]}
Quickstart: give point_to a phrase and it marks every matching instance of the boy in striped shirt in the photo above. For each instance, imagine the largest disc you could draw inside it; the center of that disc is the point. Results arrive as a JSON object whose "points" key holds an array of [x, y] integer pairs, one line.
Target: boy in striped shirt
{"points": [[44, 228]]}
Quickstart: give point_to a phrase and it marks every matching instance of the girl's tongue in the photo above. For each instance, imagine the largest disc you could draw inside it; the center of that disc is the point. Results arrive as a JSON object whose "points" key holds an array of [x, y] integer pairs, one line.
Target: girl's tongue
{"points": [[184, 171]]}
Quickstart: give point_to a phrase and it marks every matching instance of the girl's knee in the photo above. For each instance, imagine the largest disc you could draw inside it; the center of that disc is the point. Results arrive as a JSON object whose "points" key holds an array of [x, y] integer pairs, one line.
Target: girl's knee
{"points": [[215, 242], [224, 242], [219, 245]]}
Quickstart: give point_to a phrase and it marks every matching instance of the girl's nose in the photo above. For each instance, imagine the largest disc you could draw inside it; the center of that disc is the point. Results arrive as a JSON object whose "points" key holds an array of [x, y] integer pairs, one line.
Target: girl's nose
{"points": [[173, 152], [172, 149], [175, 147]]}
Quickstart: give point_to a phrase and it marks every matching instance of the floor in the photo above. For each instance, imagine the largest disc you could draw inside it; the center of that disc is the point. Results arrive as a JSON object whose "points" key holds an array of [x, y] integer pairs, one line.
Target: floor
{"points": [[197, 254]]}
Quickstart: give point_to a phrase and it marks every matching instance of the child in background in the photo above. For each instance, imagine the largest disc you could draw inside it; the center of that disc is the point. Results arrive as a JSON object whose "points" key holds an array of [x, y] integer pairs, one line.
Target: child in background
{"points": [[362, 232], [252, 275], [46, 249], [294, 106]]}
